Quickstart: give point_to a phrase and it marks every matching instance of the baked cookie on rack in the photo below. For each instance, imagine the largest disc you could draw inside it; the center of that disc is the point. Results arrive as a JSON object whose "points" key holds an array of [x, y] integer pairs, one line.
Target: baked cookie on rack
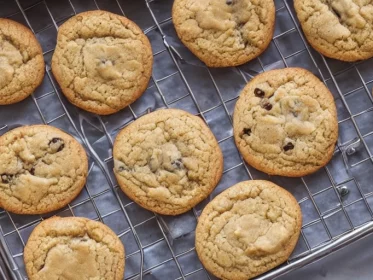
{"points": [[73, 248], [167, 161], [103, 61], [285, 123], [338, 29], [21, 62], [42, 169], [247, 230], [224, 33]]}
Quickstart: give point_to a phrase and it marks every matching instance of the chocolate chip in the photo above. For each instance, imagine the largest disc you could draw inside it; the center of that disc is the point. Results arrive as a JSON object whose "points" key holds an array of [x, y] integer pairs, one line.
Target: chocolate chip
{"points": [[288, 146], [57, 144], [268, 106], [229, 2], [177, 163], [246, 131], [259, 93], [122, 168], [32, 171], [6, 178], [336, 13]]}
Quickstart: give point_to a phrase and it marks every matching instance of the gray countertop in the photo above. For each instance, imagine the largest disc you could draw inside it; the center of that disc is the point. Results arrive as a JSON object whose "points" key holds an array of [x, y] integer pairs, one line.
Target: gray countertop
{"points": [[355, 261]]}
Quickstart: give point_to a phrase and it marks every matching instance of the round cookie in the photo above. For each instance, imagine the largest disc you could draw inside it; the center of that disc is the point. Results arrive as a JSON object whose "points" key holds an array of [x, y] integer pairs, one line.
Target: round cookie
{"points": [[73, 248], [103, 61], [21, 62], [338, 29], [285, 123], [167, 161], [42, 169], [224, 33], [247, 230]]}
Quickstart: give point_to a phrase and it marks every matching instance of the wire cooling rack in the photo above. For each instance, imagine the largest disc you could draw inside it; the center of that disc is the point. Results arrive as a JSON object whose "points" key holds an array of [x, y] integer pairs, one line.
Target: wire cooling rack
{"points": [[337, 201]]}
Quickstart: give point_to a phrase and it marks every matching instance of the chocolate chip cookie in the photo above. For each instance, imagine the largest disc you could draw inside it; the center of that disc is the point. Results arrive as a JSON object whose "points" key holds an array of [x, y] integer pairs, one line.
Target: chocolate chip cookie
{"points": [[340, 29], [21, 62], [75, 249], [247, 230], [285, 123], [103, 61], [41, 169], [167, 161], [224, 33]]}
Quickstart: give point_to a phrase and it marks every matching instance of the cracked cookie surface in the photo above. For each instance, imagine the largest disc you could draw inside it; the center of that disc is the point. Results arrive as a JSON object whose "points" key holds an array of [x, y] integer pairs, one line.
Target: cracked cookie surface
{"points": [[75, 249], [340, 29], [21, 62], [102, 61], [285, 123], [42, 169], [247, 230], [167, 161], [224, 33]]}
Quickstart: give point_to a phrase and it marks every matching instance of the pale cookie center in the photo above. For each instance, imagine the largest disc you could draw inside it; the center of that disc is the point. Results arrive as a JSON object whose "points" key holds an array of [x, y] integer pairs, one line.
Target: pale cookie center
{"points": [[10, 60], [284, 118], [32, 175], [110, 62], [74, 261], [165, 173], [257, 236], [239, 23], [337, 20]]}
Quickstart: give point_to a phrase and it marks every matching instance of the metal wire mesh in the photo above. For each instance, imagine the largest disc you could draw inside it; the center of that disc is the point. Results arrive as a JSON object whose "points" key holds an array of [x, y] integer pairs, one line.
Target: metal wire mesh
{"points": [[161, 247]]}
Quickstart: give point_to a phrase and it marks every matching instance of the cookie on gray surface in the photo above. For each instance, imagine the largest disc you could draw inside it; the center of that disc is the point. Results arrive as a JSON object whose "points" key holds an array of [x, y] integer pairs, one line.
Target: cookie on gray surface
{"points": [[21, 62], [340, 29], [247, 230], [224, 33], [167, 161], [42, 169], [75, 249], [285, 123], [103, 61]]}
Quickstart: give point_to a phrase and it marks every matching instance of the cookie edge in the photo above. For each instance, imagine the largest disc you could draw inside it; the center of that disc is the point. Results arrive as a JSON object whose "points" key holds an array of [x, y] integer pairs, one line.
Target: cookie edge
{"points": [[34, 236], [292, 241], [195, 51], [160, 210], [60, 205], [101, 109], [348, 57], [27, 32], [255, 163]]}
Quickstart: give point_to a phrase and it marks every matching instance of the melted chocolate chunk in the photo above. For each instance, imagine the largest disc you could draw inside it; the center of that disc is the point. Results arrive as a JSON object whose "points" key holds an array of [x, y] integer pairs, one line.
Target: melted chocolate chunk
{"points": [[246, 131], [122, 168], [268, 106], [177, 163], [229, 2], [32, 171], [289, 146], [259, 93], [337, 13], [6, 178], [57, 144]]}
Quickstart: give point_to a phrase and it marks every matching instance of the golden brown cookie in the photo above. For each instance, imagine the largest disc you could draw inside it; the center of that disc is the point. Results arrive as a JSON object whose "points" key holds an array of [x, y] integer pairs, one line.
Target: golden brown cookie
{"points": [[247, 230], [167, 161], [42, 169], [75, 249], [340, 29], [21, 62], [285, 123], [103, 61], [224, 32]]}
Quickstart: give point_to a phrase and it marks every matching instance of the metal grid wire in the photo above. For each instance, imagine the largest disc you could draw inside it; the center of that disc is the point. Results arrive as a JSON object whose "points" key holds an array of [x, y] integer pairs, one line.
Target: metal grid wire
{"points": [[160, 247]]}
